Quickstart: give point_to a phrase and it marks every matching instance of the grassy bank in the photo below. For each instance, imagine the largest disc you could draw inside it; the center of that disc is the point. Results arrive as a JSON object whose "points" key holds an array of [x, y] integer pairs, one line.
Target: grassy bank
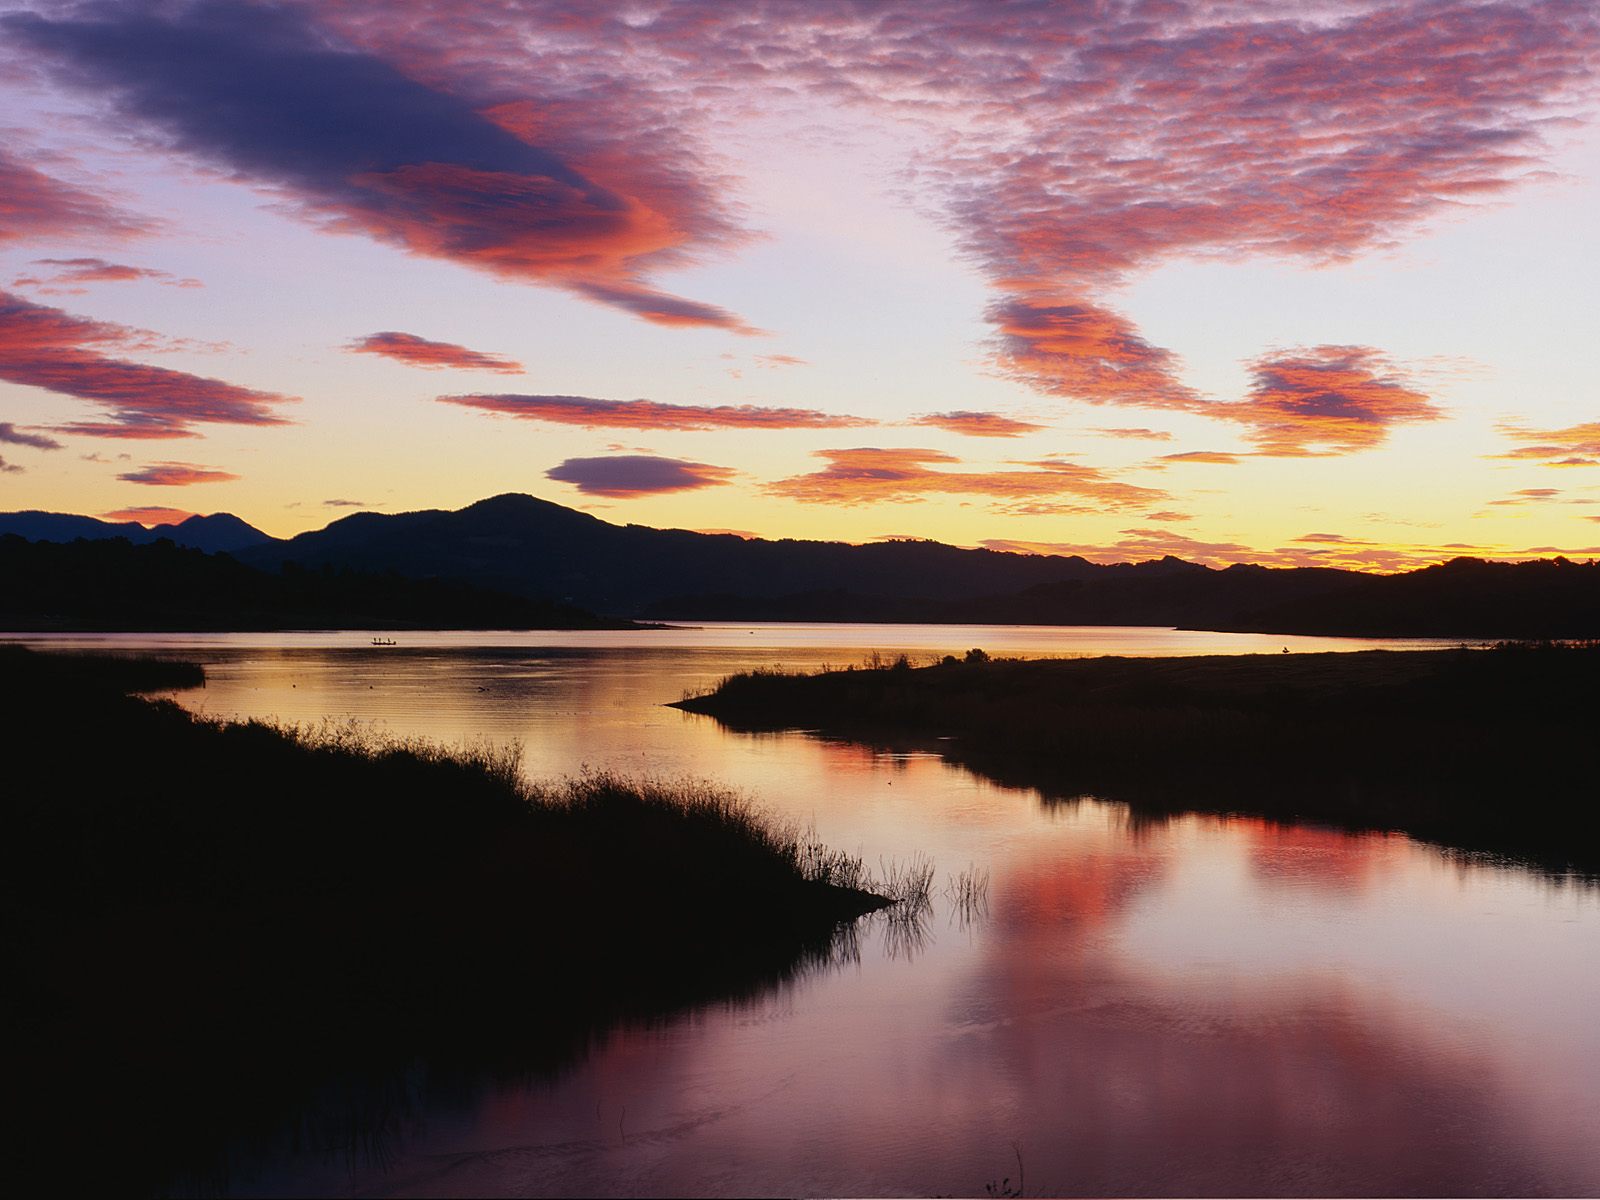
{"points": [[1485, 750], [210, 919]]}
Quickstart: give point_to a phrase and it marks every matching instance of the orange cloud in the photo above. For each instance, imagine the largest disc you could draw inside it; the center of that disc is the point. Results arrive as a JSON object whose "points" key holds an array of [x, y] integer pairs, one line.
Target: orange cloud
{"points": [[868, 474], [1150, 435], [589, 413], [149, 517], [1218, 457], [1574, 446], [1308, 550], [414, 351], [47, 348], [1327, 400], [978, 424], [1529, 496], [1082, 351], [173, 474]]}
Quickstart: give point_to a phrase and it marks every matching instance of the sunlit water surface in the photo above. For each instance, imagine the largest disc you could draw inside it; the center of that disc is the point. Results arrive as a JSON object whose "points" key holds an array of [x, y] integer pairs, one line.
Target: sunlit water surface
{"points": [[1199, 1007]]}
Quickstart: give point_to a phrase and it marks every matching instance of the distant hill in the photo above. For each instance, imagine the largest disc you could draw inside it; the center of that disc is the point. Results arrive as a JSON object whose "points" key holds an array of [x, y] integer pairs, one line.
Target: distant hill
{"points": [[532, 547], [219, 532], [112, 584], [519, 546]]}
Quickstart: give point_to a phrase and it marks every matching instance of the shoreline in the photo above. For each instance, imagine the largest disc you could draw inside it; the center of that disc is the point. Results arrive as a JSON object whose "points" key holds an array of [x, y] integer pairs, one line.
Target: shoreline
{"points": [[1477, 750]]}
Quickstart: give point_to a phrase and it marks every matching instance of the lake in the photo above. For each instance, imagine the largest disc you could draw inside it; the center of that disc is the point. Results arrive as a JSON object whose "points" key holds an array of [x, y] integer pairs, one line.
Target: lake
{"points": [[1202, 1006]]}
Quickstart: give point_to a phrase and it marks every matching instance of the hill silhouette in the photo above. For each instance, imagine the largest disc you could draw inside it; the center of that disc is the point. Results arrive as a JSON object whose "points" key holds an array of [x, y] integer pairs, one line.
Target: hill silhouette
{"points": [[114, 585], [521, 546], [218, 532]]}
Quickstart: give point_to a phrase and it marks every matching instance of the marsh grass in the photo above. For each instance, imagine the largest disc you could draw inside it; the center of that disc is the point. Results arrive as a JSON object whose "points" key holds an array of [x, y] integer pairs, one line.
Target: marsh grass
{"points": [[908, 883], [1474, 748], [274, 906], [968, 895]]}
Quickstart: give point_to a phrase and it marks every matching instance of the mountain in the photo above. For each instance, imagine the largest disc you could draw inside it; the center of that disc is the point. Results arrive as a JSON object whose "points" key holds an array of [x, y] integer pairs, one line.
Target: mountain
{"points": [[108, 583], [218, 532], [519, 546], [532, 547]]}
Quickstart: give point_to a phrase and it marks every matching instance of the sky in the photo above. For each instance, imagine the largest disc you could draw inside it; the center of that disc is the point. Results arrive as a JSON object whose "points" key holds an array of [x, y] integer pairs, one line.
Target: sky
{"points": [[1288, 283]]}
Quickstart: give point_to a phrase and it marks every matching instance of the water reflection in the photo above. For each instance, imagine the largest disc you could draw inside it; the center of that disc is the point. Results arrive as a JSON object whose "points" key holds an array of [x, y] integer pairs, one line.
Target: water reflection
{"points": [[1192, 1005]]}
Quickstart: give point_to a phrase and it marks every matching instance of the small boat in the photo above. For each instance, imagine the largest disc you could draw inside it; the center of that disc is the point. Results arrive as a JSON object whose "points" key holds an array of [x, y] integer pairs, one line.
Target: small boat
{"points": [[384, 642]]}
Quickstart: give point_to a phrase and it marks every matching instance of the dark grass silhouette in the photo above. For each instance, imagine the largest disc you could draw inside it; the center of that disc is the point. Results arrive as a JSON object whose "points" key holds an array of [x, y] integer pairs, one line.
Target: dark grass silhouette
{"points": [[213, 927], [1482, 750]]}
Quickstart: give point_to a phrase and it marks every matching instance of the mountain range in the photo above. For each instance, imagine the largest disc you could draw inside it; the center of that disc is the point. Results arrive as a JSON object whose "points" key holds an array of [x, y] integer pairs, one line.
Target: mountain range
{"points": [[522, 546]]}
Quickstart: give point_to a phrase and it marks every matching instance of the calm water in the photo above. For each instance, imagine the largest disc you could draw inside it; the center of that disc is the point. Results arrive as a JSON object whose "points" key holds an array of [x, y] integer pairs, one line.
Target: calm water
{"points": [[1206, 1006]]}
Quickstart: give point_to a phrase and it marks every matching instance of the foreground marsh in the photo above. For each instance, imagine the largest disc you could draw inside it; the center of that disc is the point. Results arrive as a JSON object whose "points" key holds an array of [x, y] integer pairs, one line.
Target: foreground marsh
{"points": [[214, 918], [1195, 1004]]}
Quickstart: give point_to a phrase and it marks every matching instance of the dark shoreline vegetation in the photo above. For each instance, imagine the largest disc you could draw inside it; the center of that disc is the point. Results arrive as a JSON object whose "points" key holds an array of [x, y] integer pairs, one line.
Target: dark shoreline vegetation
{"points": [[228, 937], [1480, 750], [521, 548], [113, 585]]}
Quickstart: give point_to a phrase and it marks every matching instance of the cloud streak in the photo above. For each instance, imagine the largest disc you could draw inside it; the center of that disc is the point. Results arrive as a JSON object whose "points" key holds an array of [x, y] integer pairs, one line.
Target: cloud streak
{"points": [[589, 413], [175, 474], [17, 437], [978, 424], [357, 145], [47, 348], [69, 276], [1574, 446], [416, 351], [870, 474], [628, 476], [149, 515], [37, 207]]}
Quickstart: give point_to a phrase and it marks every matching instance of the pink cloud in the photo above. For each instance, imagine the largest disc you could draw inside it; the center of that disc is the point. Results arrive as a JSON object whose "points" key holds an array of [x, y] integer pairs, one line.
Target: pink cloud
{"points": [[68, 275], [533, 175], [35, 206], [1327, 399], [175, 474], [591, 413], [1139, 434], [47, 348], [1086, 352], [1068, 148], [415, 351]]}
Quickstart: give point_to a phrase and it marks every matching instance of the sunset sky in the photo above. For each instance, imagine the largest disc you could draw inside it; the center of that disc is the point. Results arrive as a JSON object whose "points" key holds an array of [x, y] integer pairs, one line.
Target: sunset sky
{"points": [[1238, 281]]}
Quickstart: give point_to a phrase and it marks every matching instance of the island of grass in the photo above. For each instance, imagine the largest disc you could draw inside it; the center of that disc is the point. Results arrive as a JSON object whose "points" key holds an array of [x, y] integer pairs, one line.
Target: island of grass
{"points": [[206, 923], [1479, 749]]}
